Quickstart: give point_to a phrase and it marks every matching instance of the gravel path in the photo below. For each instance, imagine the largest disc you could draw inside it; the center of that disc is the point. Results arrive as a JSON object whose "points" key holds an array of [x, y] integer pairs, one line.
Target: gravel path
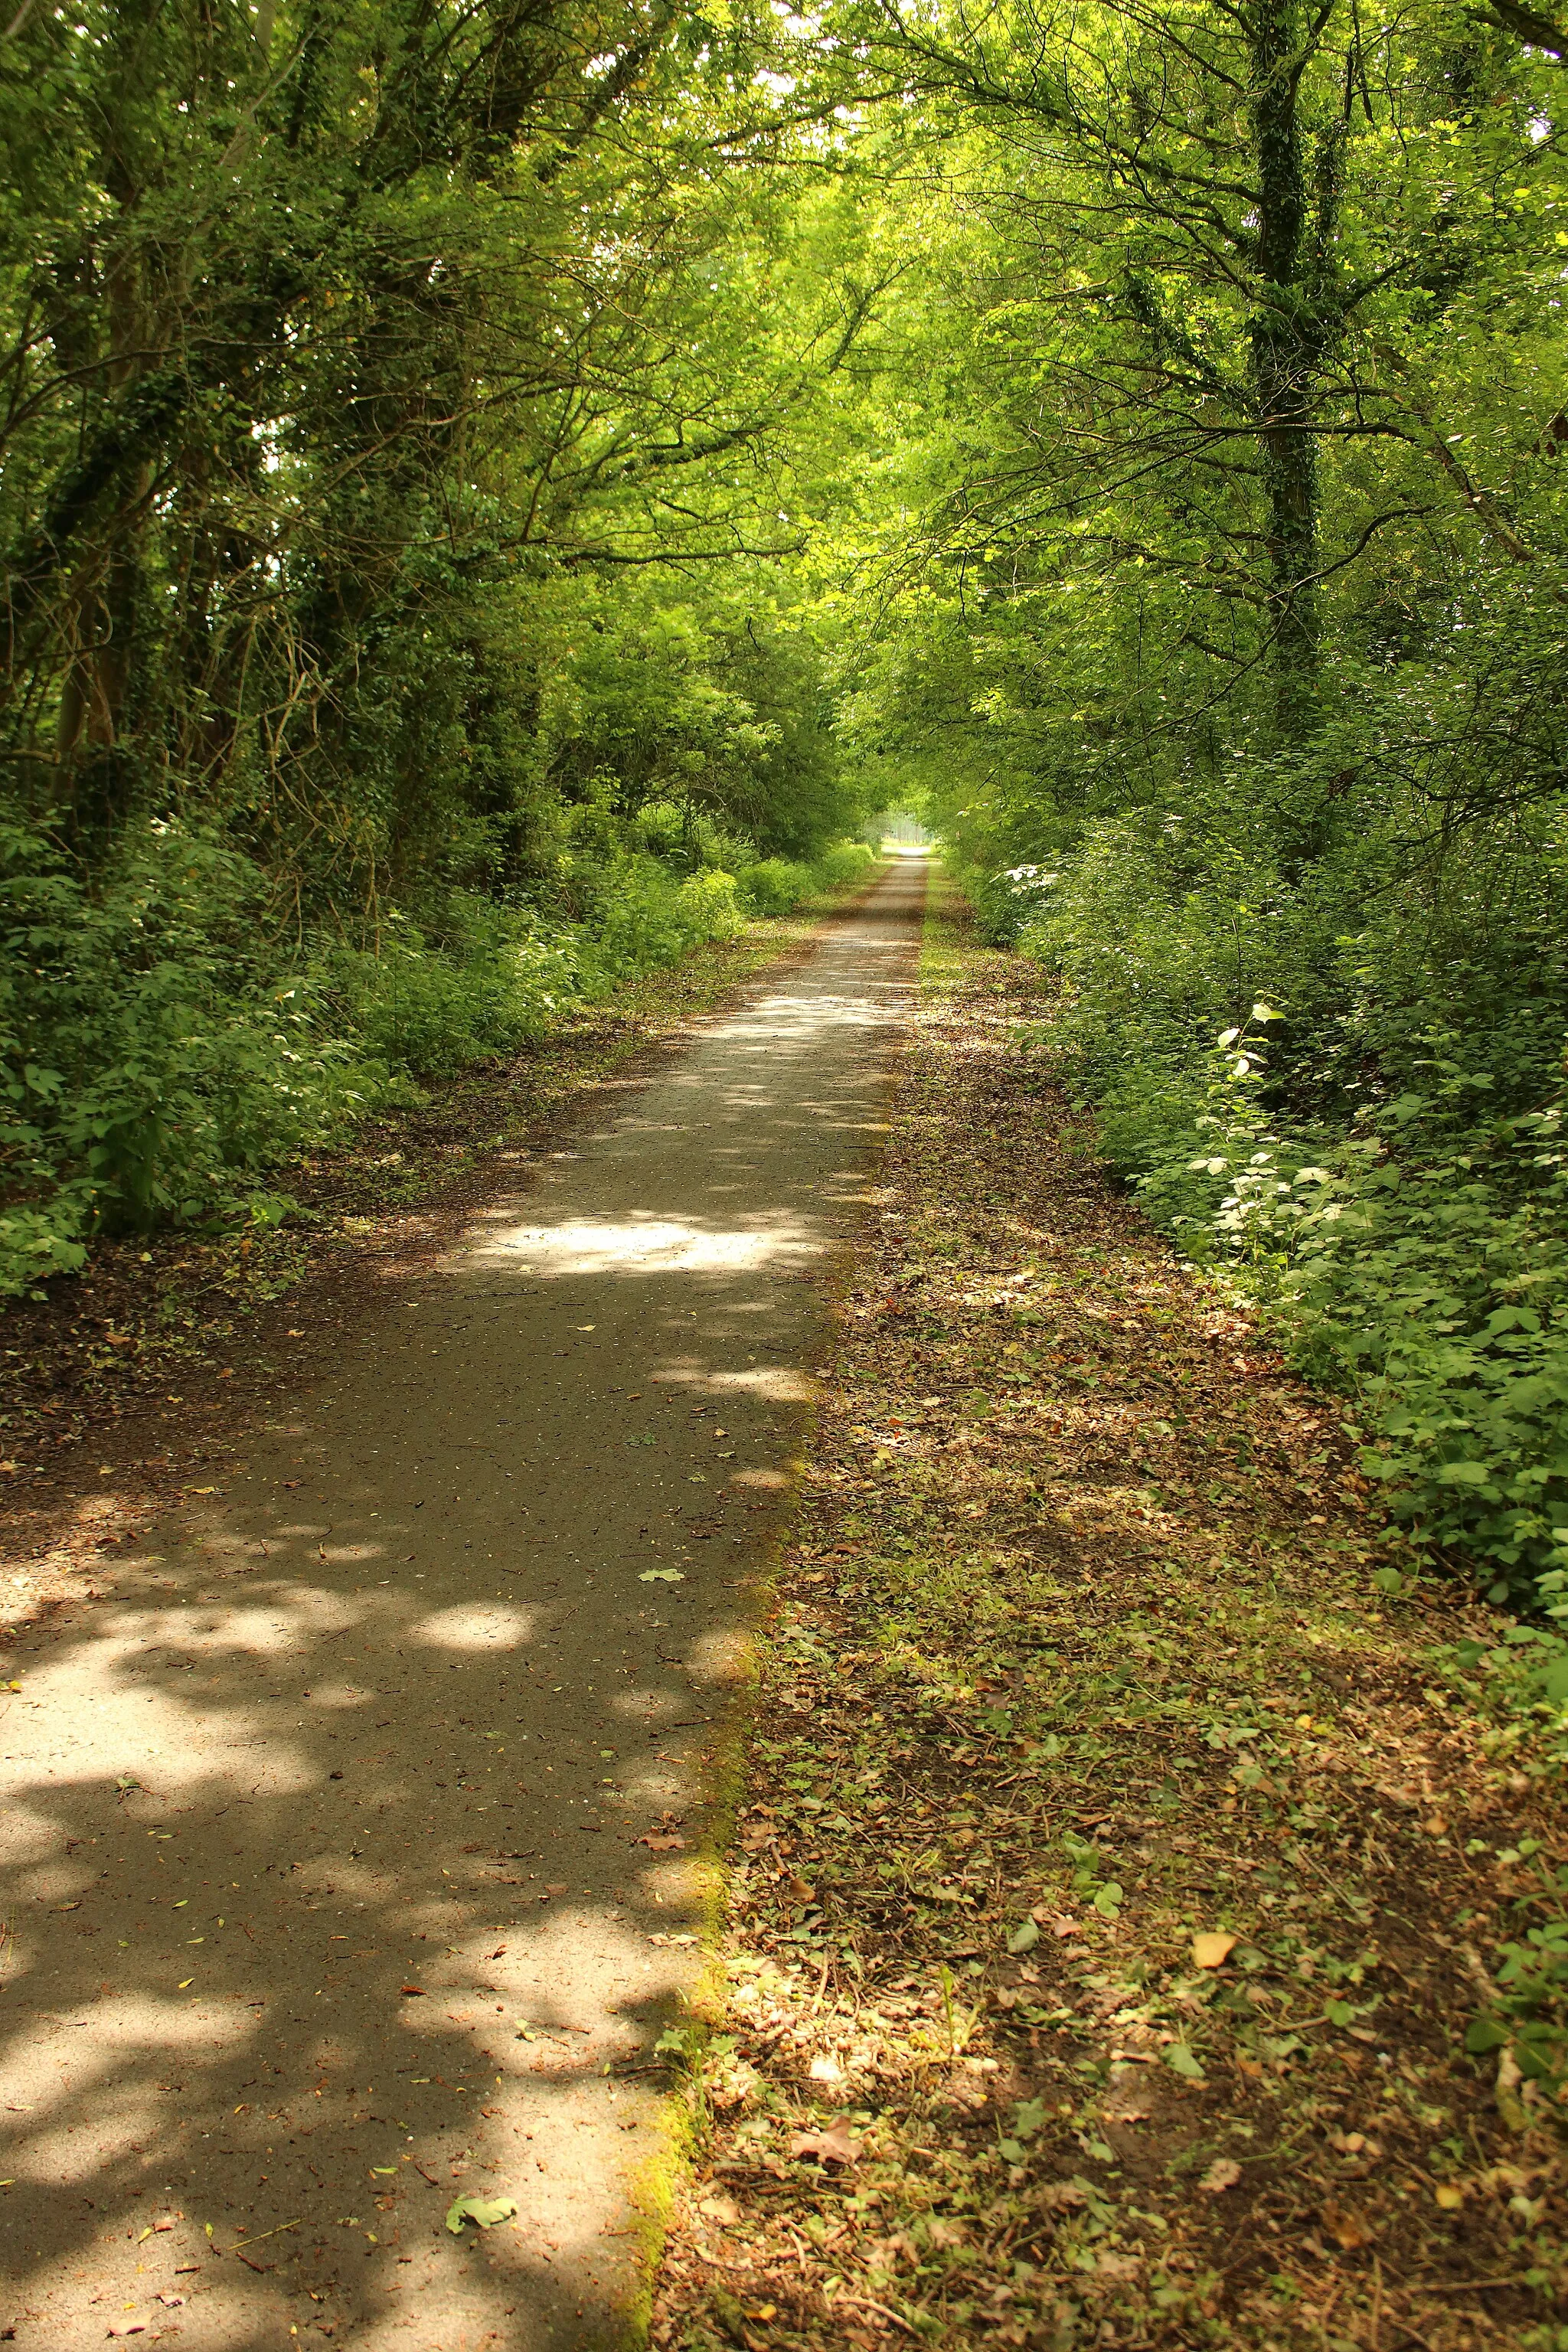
{"points": [[350, 1846]]}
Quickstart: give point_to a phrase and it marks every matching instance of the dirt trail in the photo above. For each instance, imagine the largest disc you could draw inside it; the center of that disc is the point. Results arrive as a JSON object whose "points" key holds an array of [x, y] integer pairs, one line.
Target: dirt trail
{"points": [[396, 1745]]}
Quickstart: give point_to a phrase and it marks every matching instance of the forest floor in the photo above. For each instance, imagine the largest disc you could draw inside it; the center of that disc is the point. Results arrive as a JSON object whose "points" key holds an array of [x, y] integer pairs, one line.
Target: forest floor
{"points": [[1117, 1869]]}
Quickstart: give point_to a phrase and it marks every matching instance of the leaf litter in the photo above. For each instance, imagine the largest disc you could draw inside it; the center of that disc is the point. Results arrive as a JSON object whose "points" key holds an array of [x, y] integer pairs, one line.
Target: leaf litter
{"points": [[485, 2212], [1103, 1823]]}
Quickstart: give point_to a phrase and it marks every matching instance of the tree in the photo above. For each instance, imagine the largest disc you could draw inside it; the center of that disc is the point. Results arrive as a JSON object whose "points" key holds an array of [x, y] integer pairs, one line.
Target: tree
{"points": [[1226, 239]]}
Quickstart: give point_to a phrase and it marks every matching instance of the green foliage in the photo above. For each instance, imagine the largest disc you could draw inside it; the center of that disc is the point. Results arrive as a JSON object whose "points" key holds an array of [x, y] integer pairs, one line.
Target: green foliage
{"points": [[1382, 1176], [151, 1063], [484, 981], [778, 885], [1526, 2024], [1218, 637], [415, 429]]}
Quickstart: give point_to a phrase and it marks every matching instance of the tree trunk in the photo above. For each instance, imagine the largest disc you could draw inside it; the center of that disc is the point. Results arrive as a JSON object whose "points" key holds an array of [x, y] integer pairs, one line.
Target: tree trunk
{"points": [[1286, 335]]}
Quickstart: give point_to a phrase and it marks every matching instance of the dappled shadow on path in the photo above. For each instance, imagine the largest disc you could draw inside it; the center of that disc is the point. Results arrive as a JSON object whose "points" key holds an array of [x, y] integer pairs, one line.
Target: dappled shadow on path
{"points": [[350, 1840]]}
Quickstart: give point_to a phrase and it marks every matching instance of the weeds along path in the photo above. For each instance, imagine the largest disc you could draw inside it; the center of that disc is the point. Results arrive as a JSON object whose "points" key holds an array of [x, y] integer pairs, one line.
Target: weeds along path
{"points": [[1118, 1870], [351, 1840]]}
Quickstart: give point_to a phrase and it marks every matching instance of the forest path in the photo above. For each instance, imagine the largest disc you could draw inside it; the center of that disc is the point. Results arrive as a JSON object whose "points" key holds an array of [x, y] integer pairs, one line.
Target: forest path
{"points": [[397, 1743]]}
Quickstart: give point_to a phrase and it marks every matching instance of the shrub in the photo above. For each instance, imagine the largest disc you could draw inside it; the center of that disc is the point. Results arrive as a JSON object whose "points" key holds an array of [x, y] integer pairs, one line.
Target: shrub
{"points": [[778, 885], [1384, 1185], [150, 1066], [483, 980], [161, 1053], [843, 864]]}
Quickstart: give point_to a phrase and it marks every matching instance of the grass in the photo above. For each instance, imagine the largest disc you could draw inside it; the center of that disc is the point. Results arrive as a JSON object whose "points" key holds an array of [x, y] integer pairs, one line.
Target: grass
{"points": [[1118, 1867]]}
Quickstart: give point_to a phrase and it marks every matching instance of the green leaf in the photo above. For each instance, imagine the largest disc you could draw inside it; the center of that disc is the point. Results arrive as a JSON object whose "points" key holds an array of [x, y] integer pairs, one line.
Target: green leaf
{"points": [[1181, 2061], [486, 2211], [1484, 2034], [1029, 2116], [1108, 1901], [661, 1576], [1024, 1939], [1339, 2012]]}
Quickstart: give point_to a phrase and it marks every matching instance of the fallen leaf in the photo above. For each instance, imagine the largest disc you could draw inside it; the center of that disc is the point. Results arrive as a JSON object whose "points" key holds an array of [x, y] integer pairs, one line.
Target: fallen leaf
{"points": [[1346, 2229], [656, 1844], [826, 2070], [660, 1576], [1212, 1950], [800, 1890], [559, 1888], [416, 1990], [1222, 2173], [1024, 1939], [1181, 2061], [1449, 2196], [484, 2211], [837, 2145]]}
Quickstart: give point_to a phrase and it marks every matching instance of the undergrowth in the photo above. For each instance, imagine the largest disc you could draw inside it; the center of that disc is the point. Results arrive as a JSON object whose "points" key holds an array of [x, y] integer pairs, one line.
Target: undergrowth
{"points": [[1353, 1116]]}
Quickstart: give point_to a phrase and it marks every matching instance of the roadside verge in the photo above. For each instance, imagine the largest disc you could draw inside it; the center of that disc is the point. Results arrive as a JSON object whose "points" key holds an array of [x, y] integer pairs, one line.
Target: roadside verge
{"points": [[1119, 1870]]}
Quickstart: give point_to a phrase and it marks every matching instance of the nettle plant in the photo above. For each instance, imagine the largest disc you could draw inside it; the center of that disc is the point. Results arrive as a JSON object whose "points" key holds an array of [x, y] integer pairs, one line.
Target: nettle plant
{"points": [[1430, 1277], [1417, 1262], [1263, 1209]]}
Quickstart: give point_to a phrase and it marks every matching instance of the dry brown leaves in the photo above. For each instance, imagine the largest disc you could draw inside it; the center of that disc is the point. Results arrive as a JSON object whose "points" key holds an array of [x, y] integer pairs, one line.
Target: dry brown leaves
{"points": [[1109, 1877]]}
